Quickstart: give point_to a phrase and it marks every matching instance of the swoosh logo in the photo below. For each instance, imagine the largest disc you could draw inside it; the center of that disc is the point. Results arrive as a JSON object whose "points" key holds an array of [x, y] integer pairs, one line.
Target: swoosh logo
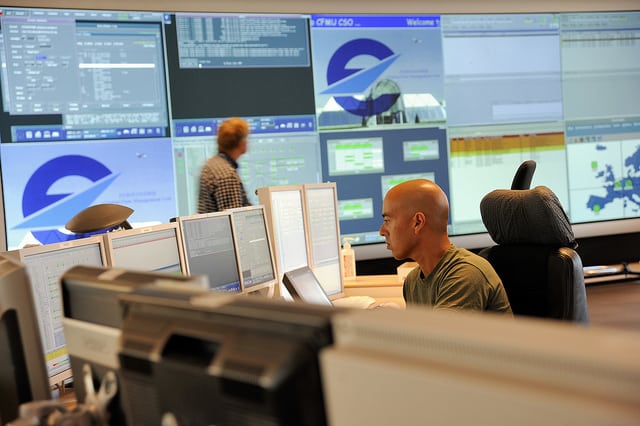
{"points": [[45, 212], [344, 81]]}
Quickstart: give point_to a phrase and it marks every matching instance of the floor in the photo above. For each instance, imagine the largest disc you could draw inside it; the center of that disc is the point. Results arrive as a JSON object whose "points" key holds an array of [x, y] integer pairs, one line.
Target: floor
{"points": [[615, 305]]}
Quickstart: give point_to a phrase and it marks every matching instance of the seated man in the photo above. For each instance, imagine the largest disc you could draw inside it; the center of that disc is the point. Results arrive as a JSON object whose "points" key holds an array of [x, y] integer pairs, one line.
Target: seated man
{"points": [[415, 216]]}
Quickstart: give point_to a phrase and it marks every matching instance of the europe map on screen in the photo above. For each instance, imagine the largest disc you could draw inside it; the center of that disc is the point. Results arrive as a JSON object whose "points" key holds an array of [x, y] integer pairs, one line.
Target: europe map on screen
{"points": [[605, 180]]}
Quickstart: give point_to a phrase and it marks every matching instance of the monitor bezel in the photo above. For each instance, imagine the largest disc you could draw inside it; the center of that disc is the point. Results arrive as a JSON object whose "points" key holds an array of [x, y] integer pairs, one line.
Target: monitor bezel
{"points": [[26, 252], [332, 186], [297, 289], [109, 238], [27, 375], [180, 220], [266, 199], [272, 283]]}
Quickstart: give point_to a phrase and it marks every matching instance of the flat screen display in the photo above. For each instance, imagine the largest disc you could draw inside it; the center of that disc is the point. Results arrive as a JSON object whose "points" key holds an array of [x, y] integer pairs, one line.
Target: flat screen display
{"points": [[321, 210], [123, 106], [255, 253], [303, 285], [154, 248], [45, 265], [210, 250]]}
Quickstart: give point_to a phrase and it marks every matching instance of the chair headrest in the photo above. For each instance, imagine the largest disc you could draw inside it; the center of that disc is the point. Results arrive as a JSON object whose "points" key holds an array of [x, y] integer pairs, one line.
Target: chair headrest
{"points": [[531, 216]]}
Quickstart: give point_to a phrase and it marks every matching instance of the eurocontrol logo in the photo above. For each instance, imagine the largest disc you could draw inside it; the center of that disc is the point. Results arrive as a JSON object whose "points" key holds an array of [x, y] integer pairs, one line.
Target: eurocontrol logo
{"points": [[45, 211], [345, 81]]}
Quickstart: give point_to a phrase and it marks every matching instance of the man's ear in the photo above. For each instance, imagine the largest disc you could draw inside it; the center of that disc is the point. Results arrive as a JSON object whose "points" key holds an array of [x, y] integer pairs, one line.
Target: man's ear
{"points": [[419, 221]]}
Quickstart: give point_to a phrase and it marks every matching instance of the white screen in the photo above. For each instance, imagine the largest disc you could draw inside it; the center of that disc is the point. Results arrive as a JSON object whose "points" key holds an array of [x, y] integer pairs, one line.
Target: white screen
{"points": [[155, 250], [254, 250], [209, 250], [289, 229], [44, 269], [324, 237]]}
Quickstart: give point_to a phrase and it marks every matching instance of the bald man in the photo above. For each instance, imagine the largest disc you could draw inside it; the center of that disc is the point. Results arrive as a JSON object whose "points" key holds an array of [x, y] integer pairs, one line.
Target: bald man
{"points": [[415, 216]]}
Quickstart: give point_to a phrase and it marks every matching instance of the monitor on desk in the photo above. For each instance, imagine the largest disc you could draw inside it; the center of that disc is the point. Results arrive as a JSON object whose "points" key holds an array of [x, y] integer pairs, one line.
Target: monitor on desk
{"points": [[223, 359], [321, 211], [92, 320], [284, 206], [45, 264], [23, 372], [304, 286], [255, 251], [154, 248], [210, 249]]}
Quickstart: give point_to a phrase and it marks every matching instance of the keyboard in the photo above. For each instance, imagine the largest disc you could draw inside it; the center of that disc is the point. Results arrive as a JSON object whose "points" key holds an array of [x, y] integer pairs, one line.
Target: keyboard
{"points": [[360, 302]]}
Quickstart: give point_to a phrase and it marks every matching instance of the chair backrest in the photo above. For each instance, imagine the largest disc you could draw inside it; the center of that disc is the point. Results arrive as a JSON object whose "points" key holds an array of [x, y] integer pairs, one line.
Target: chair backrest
{"points": [[524, 175], [534, 255]]}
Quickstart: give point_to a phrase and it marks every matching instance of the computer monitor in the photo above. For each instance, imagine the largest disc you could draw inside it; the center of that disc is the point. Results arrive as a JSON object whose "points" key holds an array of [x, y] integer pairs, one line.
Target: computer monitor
{"points": [[303, 285], [155, 248], [396, 367], [285, 215], [223, 359], [209, 249], [23, 372], [91, 114], [92, 321], [255, 251], [45, 264], [321, 211]]}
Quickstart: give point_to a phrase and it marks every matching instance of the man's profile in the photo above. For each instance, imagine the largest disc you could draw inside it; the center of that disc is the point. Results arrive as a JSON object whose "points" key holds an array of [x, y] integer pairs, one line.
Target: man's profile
{"points": [[415, 217]]}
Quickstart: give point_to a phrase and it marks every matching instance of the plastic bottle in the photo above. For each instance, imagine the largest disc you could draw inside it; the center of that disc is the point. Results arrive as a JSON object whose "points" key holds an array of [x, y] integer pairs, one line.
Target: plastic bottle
{"points": [[348, 259]]}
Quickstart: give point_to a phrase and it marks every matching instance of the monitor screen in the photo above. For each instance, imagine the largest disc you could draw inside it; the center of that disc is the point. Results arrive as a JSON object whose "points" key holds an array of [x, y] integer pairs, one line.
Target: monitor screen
{"points": [[45, 264], [463, 99], [23, 376], [209, 249], [321, 210], [303, 285], [285, 215], [155, 248], [255, 253], [269, 55], [84, 96]]}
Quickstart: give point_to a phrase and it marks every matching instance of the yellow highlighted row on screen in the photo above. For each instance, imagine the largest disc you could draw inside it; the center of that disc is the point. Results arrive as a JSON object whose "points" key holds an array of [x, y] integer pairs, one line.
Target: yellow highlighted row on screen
{"points": [[470, 146]]}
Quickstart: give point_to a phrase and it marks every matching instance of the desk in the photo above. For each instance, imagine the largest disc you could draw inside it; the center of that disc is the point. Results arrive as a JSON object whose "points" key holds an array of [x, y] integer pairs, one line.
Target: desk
{"points": [[383, 288], [615, 304], [610, 304]]}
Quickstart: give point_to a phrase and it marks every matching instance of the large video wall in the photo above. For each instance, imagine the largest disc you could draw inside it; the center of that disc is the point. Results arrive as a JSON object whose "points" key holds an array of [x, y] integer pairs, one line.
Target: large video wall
{"points": [[122, 107]]}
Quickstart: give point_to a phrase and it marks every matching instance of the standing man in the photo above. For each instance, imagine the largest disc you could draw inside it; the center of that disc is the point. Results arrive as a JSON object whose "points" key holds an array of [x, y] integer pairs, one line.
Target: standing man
{"points": [[415, 217], [220, 184]]}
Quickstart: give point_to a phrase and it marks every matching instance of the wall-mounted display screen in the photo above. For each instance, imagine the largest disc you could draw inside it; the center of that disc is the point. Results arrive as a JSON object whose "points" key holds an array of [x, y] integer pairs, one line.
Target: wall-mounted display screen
{"points": [[123, 107]]}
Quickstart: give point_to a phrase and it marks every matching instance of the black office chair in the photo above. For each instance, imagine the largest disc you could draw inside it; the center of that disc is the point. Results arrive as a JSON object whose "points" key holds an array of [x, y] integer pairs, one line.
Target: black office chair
{"points": [[534, 255], [100, 217], [523, 176]]}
